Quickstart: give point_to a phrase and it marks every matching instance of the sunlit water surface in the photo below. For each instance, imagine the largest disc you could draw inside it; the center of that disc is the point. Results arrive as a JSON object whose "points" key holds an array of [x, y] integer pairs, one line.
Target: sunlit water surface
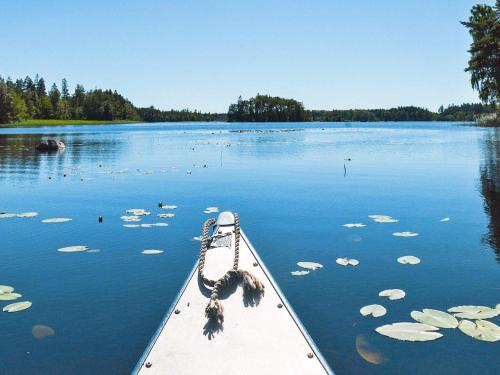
{"points": [[293, 194]]}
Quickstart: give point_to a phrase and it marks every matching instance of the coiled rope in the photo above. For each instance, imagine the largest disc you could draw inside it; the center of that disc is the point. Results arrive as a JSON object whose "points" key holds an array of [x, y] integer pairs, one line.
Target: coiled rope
{"points": [[214, 310]]}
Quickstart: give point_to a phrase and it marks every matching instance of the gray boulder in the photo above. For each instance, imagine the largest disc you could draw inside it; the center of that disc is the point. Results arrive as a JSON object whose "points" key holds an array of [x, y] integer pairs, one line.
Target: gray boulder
{"points": [[51, 145]]}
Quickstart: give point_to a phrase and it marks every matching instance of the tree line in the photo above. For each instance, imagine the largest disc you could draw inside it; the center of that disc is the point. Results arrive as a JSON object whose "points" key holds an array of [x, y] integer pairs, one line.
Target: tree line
{"points": [[265, 108], [29, 99]]}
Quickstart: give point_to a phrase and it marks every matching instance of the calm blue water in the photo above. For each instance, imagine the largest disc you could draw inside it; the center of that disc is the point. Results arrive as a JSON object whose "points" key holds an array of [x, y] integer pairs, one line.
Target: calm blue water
{"points": [[287, 182]]}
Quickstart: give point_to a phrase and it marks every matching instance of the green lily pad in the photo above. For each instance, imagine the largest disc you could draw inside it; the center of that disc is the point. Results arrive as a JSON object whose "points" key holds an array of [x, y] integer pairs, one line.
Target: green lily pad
{"points": [[310, 265], [57, 220], [374, 310], [393, 294], [73, 249], [17, 306], [6, 289], [405, 234], [436, 318], [480, 330], [408, 259], [354, 225], [410, 331], [9, 296], [299, 273], [151, 252]]}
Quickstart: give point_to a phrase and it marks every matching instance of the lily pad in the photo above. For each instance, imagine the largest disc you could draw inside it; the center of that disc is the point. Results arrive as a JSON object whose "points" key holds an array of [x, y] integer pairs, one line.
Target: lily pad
{"points": [[138, 212], [132, 225], [474, 312], [17, 306], [410, 331], [9, 296], [57, 220], [151, 252], [408, 259], [480, 330], [383, 219], [436, 318], [309, 265], [211, 210], [393, 294], [197, 238], [354, 225], [347, 262], [92, 251], [73, 249], [405, 234], [445, 219], [165, 216], [299, 273], [6, 289], [159, 225], [130, 218], [27, 214], [374, 310], [169, 207], [7, 216]]}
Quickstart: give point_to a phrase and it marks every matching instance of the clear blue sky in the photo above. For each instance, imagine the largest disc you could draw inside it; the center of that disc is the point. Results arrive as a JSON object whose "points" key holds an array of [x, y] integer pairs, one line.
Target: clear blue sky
{"points": [[204, 54]]}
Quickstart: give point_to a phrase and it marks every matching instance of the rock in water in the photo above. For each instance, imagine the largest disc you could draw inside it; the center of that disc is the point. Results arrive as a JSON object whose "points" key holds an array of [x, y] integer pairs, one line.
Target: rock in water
{"points": [[51, 145]]}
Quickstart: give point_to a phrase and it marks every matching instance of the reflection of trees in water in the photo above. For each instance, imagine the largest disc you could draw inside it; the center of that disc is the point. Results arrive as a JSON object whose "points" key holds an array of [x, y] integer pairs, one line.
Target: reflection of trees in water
{"points": [[19, 161], [490, 187]]}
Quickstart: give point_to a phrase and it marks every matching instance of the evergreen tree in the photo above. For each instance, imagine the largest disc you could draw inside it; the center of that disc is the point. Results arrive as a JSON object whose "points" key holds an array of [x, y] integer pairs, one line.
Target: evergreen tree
{"points": [[55, 97]]}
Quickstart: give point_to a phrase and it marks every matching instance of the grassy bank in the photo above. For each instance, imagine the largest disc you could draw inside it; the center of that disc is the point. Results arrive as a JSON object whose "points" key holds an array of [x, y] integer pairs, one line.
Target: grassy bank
{"points": [[35, 122]]}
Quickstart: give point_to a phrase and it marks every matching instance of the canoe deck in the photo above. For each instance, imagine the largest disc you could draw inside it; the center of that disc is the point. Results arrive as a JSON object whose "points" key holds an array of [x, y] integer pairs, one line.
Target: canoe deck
{"points": [[257, 337]]}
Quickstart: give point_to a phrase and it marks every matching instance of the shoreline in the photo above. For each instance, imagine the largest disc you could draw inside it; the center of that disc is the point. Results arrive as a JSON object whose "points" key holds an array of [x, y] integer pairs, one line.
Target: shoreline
{"points": [[37, 123]]}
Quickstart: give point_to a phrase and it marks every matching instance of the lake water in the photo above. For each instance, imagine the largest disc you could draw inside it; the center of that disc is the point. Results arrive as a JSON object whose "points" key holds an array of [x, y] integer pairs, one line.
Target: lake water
{"points": [[289, 185]]}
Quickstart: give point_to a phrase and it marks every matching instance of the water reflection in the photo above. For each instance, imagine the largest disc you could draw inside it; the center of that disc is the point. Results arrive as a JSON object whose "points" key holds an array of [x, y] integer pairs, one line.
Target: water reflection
{"points": [[490, 187], [20, 162]]}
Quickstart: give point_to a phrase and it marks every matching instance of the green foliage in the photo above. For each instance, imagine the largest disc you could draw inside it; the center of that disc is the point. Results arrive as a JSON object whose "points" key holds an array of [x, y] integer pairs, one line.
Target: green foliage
{"points": [[265, 108], [464, 112], [28, 99], [484, 62], [151, 114]]}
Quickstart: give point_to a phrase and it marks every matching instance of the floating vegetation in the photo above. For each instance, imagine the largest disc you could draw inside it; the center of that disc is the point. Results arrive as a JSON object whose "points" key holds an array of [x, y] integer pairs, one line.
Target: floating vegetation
{"points": [[355, 225], [408, 259], [445, 219], [347, 262], [159, 225], [405, 234], [27, 214], [6, 289], [73, 249], [197, 238], [138, 212], [393, 294], [373, 310], [57, 220], [9, 296], [480, 330], [211, 210], [165, 216], [17, 306], [41, 331], [435, 318], [169, 207], [132, 225], [151, 252], [93, 251], [310, 265], [367, 352], [300, 273], [4, 215], [130, 218], [410, 331], [383, 219], [474, 312]]}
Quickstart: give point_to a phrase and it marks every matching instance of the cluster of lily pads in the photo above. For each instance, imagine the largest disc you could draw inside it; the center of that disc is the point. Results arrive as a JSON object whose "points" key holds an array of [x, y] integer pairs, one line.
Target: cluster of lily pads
{"points": [[137, 213], [429, 321], [7, 294]]}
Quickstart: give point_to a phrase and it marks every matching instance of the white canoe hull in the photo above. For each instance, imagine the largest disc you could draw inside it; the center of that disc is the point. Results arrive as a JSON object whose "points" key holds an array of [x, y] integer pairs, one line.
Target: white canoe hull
{"points": [[258, 338]]}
